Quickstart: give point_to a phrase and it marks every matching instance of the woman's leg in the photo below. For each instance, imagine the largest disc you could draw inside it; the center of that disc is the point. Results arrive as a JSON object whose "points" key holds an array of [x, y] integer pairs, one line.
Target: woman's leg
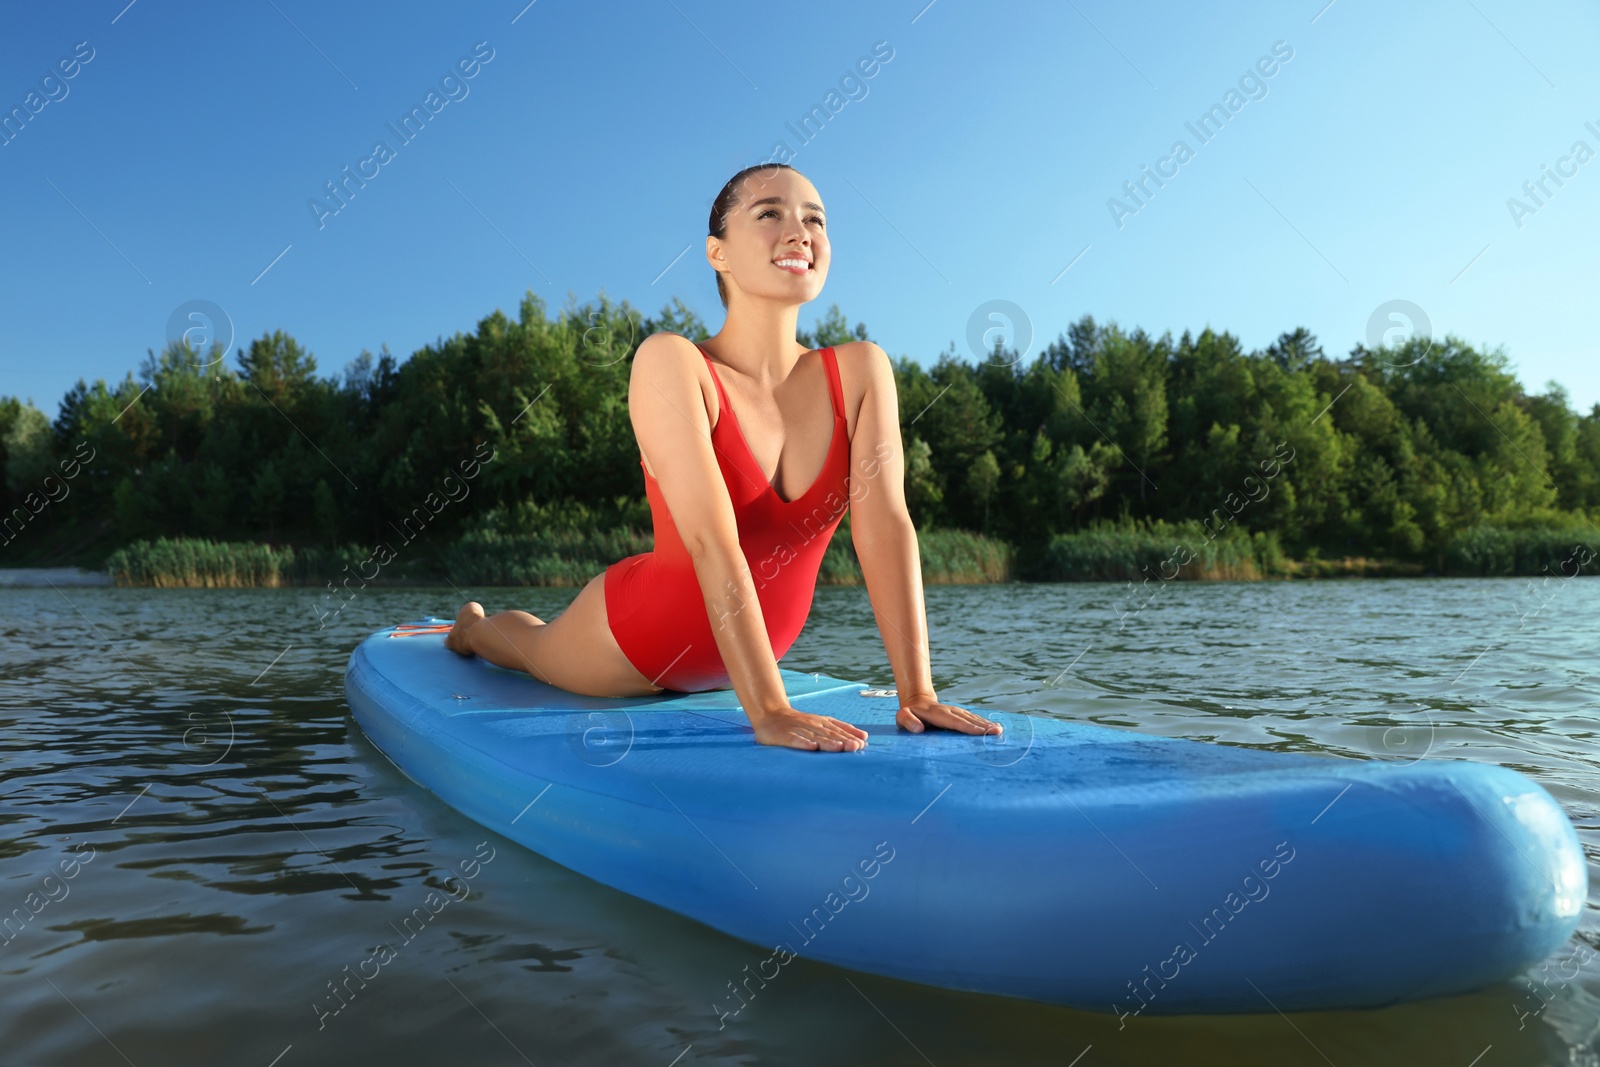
{"points": [[506, 639], [575, 651]]}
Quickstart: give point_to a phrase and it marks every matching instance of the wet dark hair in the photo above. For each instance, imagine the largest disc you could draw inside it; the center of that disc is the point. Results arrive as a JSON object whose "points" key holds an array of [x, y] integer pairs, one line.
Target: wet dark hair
{"points": [[723, 206]]}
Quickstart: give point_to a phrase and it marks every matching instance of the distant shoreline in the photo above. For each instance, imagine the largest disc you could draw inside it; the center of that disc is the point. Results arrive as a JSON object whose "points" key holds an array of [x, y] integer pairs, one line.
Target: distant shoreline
{"points": [[44, 577], [948, 559], [1147, 555]]}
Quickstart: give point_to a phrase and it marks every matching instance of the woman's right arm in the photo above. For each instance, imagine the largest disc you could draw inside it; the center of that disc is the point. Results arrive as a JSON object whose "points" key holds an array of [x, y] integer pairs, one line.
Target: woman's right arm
{"points": [[674, 432]]}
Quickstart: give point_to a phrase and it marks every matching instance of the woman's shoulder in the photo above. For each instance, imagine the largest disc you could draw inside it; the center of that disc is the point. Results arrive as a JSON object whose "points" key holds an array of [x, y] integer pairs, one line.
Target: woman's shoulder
{"points": [[675, 367], [863, 364], [664, 357], [665, 341], [864, 368], [860, 352]]}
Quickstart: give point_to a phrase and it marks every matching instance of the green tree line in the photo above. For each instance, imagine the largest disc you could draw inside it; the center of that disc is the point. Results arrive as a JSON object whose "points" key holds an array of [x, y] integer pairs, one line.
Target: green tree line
{"points": [[1395, 452]]}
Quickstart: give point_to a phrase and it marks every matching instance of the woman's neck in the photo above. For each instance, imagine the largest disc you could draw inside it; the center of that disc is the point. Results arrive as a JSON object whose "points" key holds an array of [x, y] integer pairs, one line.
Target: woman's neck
{"points": [[758, 340]]}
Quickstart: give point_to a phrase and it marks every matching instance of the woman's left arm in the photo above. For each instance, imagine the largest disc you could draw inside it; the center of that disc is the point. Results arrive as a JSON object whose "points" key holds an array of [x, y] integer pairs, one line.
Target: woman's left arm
{"points": [[886, 544]]}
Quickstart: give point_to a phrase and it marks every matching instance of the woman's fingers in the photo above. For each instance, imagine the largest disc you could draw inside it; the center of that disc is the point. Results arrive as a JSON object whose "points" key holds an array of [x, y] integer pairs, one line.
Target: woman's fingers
{"points": [[975, 724], [838, 740], [820, 743], [804, 740], [978, 723], [797, 729], [835, 728], [947, 716], [832, 735]]}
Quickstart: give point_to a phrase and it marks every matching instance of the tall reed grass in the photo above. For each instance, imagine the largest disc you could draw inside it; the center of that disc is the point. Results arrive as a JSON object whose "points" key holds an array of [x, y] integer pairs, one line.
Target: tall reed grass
{"points": [[948, 557], [1489, 550], [1131, 552], [200, 563], [567, 556]]}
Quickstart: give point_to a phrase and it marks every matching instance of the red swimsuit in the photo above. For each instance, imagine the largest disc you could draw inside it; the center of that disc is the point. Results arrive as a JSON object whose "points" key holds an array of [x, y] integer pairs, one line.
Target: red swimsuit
{"points": [[654, 603]]}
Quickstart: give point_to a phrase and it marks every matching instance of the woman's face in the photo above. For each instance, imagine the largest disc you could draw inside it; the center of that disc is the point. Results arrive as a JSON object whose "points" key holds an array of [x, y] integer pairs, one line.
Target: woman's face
{"points": [[777, 219]]}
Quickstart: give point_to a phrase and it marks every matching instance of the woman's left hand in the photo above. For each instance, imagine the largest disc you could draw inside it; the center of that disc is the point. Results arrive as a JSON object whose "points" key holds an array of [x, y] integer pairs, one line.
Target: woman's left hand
{"points": [[921, 712]]}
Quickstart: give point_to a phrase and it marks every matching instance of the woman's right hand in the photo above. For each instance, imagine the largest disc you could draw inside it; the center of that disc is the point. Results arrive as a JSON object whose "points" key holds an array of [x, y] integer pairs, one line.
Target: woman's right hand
{"points": [[789, 728]]}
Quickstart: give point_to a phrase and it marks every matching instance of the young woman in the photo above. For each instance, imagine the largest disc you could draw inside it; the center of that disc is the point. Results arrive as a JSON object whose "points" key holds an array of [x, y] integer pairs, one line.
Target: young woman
{"points": [[737, 549]]}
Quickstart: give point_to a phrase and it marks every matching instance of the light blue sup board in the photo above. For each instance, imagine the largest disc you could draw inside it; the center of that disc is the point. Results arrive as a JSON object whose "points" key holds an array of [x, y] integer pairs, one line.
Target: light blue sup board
{"points": [[1070, 863]]}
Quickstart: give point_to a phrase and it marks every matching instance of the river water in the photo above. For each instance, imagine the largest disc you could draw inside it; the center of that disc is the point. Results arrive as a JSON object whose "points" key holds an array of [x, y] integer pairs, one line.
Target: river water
{"points": [[235, 842]]}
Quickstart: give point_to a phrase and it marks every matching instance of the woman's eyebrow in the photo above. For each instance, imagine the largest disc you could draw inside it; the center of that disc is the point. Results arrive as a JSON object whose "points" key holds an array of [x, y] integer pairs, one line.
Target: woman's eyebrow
{"points": [[778, 200]]}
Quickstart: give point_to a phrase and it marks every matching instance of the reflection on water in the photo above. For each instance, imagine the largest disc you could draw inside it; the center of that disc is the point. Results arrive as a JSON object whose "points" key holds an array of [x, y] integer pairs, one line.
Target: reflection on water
{"points": [[251, 879]]}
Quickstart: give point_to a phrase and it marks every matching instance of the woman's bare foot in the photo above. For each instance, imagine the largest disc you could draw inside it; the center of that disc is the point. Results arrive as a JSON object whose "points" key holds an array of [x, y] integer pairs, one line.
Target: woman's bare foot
{"points": [[789, 728], [470, 615]]}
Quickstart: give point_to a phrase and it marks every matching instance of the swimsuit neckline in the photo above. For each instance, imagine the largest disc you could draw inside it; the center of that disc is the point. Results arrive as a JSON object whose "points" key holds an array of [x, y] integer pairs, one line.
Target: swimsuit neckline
{"points": [[738, 430]]}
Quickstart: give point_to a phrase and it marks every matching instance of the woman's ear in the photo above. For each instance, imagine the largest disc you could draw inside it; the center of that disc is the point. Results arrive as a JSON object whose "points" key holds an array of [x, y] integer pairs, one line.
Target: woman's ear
{"points": [[715, 254]]}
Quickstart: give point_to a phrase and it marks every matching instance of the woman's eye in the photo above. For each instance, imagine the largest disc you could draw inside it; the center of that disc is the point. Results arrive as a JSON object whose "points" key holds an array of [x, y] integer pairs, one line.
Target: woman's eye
{"points": [[816, 218]]}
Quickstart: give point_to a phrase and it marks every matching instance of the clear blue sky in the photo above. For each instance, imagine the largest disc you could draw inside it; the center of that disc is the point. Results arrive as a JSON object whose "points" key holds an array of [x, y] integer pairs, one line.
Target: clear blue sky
{"points": [[976, 166]]}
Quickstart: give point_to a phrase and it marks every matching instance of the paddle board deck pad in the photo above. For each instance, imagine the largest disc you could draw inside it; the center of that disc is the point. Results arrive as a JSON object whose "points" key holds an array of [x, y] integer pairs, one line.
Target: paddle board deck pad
{"points": [[1065, 862]]}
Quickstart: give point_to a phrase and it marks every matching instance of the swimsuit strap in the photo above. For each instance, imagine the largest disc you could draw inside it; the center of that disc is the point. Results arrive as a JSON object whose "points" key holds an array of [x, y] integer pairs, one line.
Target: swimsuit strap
{"points": [[835, 387], [722, 394]]}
